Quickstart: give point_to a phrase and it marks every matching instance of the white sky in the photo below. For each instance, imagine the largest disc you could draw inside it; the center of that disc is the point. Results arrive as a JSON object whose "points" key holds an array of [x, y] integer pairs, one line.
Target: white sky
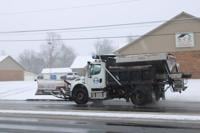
{"points": [[35, 14]]}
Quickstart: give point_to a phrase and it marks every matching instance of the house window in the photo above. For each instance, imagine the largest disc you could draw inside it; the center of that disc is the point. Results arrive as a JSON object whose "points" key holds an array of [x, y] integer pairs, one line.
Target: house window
{"points": [[184, 39]]}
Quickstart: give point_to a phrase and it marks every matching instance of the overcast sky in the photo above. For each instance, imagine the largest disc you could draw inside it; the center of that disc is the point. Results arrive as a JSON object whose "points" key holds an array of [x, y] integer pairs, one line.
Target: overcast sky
{"points": [[51, 14]]}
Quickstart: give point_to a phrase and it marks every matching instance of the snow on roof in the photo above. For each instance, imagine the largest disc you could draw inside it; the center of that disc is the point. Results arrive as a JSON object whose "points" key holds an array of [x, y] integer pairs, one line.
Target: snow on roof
{"points": [[81, 61], [3, 57], [56, 70]]}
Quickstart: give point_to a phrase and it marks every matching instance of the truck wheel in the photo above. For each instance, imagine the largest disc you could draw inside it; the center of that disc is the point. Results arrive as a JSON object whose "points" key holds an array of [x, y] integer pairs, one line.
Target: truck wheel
{"points": [[138, 98], [80, 96]]}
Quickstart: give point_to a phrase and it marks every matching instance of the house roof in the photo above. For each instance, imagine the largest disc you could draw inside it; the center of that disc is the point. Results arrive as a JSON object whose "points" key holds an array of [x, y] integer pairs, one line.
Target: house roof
{"points": [[81, 61], [56, 70], [2, 58], [189, 16]]}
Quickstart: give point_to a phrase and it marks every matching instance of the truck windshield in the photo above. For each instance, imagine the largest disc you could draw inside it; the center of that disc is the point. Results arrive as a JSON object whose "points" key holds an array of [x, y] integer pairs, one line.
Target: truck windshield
{"points": [[95, 69]]}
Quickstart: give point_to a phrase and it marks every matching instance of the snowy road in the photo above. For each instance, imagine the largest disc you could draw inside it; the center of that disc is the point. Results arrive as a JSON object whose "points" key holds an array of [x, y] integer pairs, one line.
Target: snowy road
{"points": [[180, 113], [117, 105], [59, 116], [54, 124]]}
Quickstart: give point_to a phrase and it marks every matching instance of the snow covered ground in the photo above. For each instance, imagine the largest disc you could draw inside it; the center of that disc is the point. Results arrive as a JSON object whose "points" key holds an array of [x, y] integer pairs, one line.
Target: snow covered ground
{"points": [[22, 90], [89, 114], [191, 94]]}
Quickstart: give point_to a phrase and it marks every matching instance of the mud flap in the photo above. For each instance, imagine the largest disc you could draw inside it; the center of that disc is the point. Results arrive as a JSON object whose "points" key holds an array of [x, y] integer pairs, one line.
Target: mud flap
{"points": [[178, 81]]}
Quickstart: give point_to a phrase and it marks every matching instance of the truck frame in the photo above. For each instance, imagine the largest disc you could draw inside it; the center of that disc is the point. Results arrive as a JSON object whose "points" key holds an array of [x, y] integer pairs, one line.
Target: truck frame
{"points": [[141, 79]]}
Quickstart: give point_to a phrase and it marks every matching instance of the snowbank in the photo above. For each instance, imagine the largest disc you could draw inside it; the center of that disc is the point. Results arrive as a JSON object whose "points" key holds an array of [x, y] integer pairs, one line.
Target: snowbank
{"points": [[22, 90], [110, 114]]}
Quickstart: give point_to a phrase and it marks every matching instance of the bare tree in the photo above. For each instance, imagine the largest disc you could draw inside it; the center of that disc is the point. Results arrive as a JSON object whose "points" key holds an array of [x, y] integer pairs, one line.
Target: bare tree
{"points": [[65, 57], [103, 47], [52, 54], [55, 53], [31, 61], [50, 50]]}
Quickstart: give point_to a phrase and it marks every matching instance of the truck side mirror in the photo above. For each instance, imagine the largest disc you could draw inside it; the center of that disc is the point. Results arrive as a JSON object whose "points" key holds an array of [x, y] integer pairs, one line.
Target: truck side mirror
{"points": [[88, 69], [100, 80]]}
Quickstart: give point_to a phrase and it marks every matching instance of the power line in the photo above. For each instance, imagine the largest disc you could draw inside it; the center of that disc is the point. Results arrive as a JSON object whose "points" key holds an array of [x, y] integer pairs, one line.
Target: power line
{"points": [[91, 38], [70, 8], [84, 30], [92, 27]]}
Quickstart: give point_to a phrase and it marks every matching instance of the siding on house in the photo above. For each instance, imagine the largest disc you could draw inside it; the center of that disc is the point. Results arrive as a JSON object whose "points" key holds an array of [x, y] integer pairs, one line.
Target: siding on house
{"points": [[11, 75], [10, 64], [10, 70], [162, 39]]}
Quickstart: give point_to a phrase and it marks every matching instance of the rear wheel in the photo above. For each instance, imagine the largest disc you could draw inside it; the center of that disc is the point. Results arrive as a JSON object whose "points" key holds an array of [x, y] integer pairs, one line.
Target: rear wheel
{"points": [[138, 98], [80, 95]]}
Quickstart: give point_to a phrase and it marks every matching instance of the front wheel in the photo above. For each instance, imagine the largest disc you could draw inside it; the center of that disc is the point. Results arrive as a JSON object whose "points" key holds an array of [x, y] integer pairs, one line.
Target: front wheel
{"points": [[80, 96]]}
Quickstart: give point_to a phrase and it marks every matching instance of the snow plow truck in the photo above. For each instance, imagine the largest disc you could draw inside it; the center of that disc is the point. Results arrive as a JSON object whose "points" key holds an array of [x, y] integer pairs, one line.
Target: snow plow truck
{"points": [[141, 79]]}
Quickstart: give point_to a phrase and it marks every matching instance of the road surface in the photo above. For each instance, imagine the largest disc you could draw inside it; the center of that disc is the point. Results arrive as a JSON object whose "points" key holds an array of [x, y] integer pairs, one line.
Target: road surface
{"points": [[26, 116], [117, 105]]}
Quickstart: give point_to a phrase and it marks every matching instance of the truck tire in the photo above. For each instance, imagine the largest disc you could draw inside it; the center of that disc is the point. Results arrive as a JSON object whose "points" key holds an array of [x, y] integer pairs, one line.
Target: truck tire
{"points": [[138, 98], [80, 96]]}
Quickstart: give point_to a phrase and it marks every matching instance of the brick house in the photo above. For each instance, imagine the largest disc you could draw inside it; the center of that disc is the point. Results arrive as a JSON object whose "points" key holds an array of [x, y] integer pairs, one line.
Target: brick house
{"points": [[179, 35]]}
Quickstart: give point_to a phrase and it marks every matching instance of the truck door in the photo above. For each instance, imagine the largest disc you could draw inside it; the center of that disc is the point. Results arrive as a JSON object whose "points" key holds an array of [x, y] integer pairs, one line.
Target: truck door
{"points": [[96, 76], [96, 80]]}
